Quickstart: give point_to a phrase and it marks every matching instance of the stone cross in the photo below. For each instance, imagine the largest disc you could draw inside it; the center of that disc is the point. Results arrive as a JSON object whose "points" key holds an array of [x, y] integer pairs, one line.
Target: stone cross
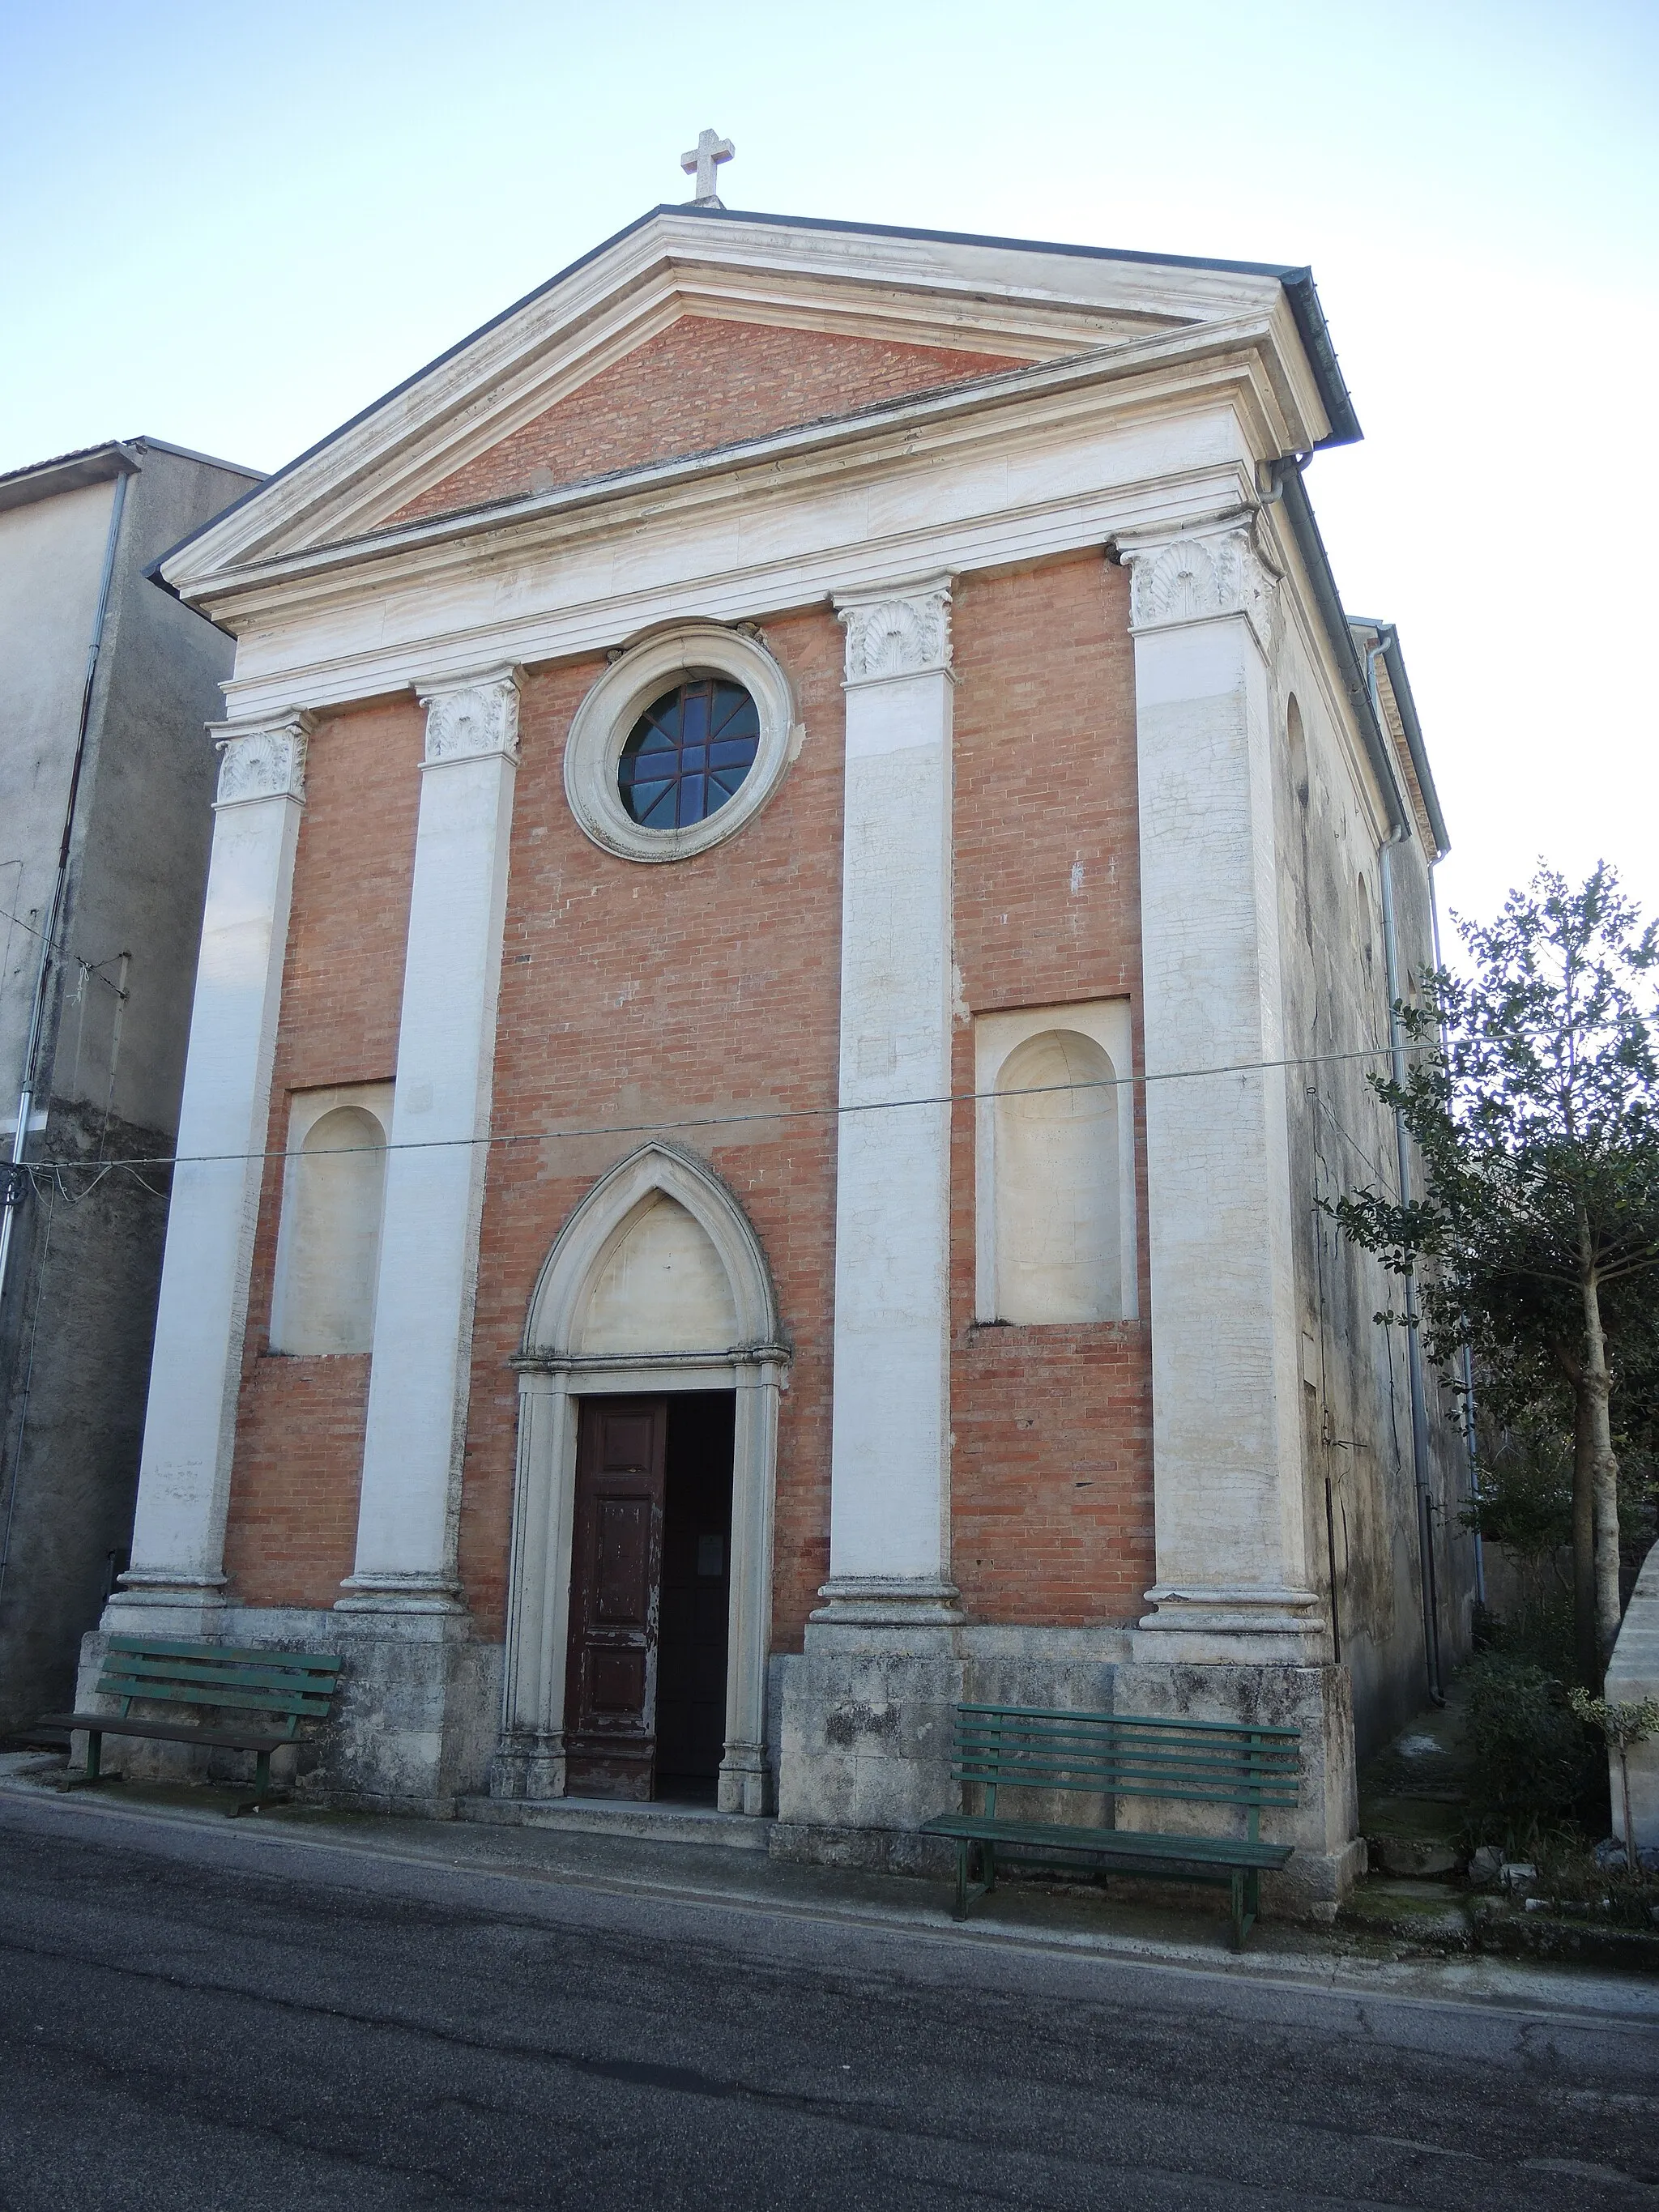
{"points": [[705, 157]]}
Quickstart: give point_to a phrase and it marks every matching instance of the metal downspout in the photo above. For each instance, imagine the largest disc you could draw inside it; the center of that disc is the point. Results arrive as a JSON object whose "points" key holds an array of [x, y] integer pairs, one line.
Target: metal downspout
{"points": [[1402, 1155], [13, 1194]]}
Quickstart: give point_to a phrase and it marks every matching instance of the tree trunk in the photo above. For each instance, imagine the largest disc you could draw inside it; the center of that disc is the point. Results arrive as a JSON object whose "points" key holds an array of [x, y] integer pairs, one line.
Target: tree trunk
{"points": [[1584, 1531], [1598, 1386]]}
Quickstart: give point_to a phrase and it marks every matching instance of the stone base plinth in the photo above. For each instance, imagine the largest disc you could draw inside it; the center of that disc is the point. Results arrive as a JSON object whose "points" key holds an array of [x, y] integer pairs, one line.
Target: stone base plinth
{"points": [[865, 1748], [413, 1725]]}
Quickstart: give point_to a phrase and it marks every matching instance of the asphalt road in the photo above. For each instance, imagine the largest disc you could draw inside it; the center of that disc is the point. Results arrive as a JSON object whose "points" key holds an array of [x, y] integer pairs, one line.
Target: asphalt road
{"points": [[192, 2019]]}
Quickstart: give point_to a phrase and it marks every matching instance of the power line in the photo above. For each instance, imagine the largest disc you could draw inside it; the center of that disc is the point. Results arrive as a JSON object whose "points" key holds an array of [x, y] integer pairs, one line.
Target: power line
{"points": [[729, 1121]]}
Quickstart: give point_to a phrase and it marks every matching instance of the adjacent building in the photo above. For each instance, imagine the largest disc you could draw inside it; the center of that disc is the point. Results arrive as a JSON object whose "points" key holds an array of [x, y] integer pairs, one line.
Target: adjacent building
{"points": [[105, 785]]}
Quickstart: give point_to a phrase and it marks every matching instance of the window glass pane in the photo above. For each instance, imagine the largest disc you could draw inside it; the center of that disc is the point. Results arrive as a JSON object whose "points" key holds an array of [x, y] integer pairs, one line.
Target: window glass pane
{"points": [[671, 776]]}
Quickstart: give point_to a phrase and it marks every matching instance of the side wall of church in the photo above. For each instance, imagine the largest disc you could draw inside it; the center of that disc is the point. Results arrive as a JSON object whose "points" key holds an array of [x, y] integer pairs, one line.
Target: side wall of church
{"points": [[1360, 1496], [1051, 1473], [291, 1533]]}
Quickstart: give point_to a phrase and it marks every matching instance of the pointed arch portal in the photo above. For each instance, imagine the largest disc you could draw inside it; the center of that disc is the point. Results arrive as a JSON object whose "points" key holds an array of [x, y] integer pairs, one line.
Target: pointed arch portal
{"points": [[657, 1283]]}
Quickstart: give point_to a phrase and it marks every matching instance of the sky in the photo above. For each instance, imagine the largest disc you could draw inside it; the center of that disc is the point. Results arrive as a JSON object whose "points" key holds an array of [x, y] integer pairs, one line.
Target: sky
{"points": [[233, 226]]}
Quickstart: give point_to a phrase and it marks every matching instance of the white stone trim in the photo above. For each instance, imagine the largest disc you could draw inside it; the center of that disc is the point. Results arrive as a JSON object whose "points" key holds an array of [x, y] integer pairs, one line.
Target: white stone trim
{"points": [[552, 1378], [420, 1371], [471, 716], [268, 762], [903, 631], [605, 719], [889, 1448], [1201, 576], [1230, 1510], [996, 1036], [196, 1371]]}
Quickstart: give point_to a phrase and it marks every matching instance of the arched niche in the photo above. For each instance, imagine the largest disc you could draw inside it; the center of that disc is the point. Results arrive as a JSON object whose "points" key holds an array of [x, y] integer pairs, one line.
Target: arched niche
{"points": [[1057, 1257], [656, 1283], [328, 1241], [1055, 1175]]}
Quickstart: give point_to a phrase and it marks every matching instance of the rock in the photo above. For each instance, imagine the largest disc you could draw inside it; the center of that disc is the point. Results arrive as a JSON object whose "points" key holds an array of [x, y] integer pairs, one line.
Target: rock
{"points": [[1515, 1873], [1411, 1858], [1610, 1853], [1484, 1863]]}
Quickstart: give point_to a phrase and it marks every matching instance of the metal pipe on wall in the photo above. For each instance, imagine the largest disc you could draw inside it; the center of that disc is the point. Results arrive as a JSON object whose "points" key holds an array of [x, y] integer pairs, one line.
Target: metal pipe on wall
{"points": [[13, 1193]]}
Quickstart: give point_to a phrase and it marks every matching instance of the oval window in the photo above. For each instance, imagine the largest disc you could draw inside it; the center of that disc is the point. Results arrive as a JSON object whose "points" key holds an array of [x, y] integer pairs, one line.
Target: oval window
{"points": [[688, 753]]}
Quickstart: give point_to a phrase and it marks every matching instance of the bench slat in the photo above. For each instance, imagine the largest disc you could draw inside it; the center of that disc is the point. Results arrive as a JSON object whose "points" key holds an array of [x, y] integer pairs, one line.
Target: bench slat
{"points": [[1108, 1843], [168, 1732], [181, 1693], [248, 1678], [1021, 1713], [310, 1662]]}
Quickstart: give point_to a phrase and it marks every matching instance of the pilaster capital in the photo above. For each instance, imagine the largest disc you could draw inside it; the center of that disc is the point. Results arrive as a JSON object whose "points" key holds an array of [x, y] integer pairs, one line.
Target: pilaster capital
{"points": [[470, 717], [902, 631], [263, 758], [1200, 575]]}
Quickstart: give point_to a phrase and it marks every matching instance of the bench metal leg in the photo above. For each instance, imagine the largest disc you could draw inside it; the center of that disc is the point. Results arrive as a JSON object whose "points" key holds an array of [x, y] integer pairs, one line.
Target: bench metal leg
{"points": [[1246, 1903], [93, 1771], [263, 1794], [988, 1865], [959, 1911]]}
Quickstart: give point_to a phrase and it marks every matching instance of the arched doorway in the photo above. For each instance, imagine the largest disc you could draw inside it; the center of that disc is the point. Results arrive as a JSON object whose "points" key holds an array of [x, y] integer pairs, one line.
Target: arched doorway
{"points": [[655, 1317]]}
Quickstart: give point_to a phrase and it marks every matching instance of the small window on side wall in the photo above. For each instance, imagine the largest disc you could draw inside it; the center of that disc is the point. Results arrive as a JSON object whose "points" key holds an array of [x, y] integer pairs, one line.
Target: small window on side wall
{"points": [[328, 1243], [1055, 1165]]}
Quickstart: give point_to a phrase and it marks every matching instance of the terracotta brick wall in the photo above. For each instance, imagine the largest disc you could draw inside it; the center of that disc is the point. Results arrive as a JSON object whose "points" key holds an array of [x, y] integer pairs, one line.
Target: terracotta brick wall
{"points": [[700, 383], [643, 996], [651, 994], [293, 1527], [1051, 1480]]}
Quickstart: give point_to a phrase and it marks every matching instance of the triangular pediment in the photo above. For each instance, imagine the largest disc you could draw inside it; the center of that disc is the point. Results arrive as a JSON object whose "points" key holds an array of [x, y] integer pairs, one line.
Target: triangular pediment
{"points": [[695, 330], [703, 383]]}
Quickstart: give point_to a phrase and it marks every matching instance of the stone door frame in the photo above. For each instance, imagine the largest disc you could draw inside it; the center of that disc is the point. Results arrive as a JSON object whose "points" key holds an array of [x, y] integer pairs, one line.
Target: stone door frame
{"points": [[530, 1762]]}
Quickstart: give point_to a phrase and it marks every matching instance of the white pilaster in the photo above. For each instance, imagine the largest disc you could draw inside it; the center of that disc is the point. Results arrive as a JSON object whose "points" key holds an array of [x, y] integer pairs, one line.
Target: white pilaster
{"points": [[196, 1370], [418, 1376], [1226, 1410], [890, 1466]]}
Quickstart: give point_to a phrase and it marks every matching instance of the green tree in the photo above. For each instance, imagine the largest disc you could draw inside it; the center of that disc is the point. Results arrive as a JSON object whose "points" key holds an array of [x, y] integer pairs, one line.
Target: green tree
{"points": [[1532, 1097]]}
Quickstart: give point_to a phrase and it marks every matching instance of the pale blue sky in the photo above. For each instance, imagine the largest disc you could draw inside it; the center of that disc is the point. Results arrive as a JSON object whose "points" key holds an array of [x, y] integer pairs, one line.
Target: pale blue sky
{"points": [[232, 226]]}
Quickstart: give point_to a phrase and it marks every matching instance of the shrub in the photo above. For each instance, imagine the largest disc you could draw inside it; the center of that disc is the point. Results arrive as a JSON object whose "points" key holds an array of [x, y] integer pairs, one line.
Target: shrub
{"points": [[1533, 1764]]}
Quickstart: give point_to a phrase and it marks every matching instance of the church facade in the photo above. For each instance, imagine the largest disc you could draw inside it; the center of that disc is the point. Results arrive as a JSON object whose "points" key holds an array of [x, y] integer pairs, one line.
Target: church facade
{"points": [[805, 864]]}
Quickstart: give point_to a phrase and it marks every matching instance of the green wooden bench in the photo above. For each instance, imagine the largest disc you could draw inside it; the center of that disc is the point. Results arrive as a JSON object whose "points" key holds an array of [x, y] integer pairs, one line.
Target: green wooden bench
{"points": [[285, 1687], [1114, 1755]]}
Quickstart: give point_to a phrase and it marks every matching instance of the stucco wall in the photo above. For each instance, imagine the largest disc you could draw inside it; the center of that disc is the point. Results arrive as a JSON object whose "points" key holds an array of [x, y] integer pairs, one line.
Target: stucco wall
{"points": [[77, 1327], [1362, 1533]]}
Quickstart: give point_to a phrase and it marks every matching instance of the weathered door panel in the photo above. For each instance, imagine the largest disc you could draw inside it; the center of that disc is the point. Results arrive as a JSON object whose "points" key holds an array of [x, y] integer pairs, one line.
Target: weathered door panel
{"points": [[610, 1693]]}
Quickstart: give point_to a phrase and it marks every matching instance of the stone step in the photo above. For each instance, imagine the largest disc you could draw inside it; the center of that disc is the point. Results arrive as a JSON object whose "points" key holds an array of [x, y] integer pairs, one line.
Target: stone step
{"points": [[613, 1816]]}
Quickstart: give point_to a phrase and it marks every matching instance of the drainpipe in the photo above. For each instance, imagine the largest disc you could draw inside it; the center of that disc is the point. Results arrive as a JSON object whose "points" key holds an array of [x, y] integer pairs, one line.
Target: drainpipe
{"points": [[1420, 1467], [15, 1178]]}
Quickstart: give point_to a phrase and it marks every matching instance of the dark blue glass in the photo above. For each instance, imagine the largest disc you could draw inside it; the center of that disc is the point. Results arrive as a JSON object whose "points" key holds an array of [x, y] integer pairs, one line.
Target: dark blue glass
{"points": [[688, 753]]}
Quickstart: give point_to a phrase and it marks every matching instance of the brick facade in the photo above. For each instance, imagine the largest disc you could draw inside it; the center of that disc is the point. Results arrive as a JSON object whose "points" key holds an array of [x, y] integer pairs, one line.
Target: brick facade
{"points": [[293, 1527], [648, 996], [700, 383], [1051, 1473]]}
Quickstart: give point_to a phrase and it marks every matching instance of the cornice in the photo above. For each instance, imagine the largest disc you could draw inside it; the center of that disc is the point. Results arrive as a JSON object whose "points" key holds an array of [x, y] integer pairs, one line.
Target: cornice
{"points": [[973, 295], [1170, 373]]}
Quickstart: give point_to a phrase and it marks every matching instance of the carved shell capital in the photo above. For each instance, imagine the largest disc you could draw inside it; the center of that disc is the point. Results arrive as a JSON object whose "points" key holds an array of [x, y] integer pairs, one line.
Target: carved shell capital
{"points": [[906, 634], [1193, 577], [267, 761], [472, 718]]}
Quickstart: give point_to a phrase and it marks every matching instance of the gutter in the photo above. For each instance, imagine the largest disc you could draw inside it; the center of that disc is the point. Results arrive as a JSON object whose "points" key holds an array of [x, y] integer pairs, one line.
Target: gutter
{"points": [[1299, 511]]}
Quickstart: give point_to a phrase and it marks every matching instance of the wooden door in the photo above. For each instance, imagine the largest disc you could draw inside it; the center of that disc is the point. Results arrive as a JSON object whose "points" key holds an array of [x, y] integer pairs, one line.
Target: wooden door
{"points": [[610, 1682]]}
